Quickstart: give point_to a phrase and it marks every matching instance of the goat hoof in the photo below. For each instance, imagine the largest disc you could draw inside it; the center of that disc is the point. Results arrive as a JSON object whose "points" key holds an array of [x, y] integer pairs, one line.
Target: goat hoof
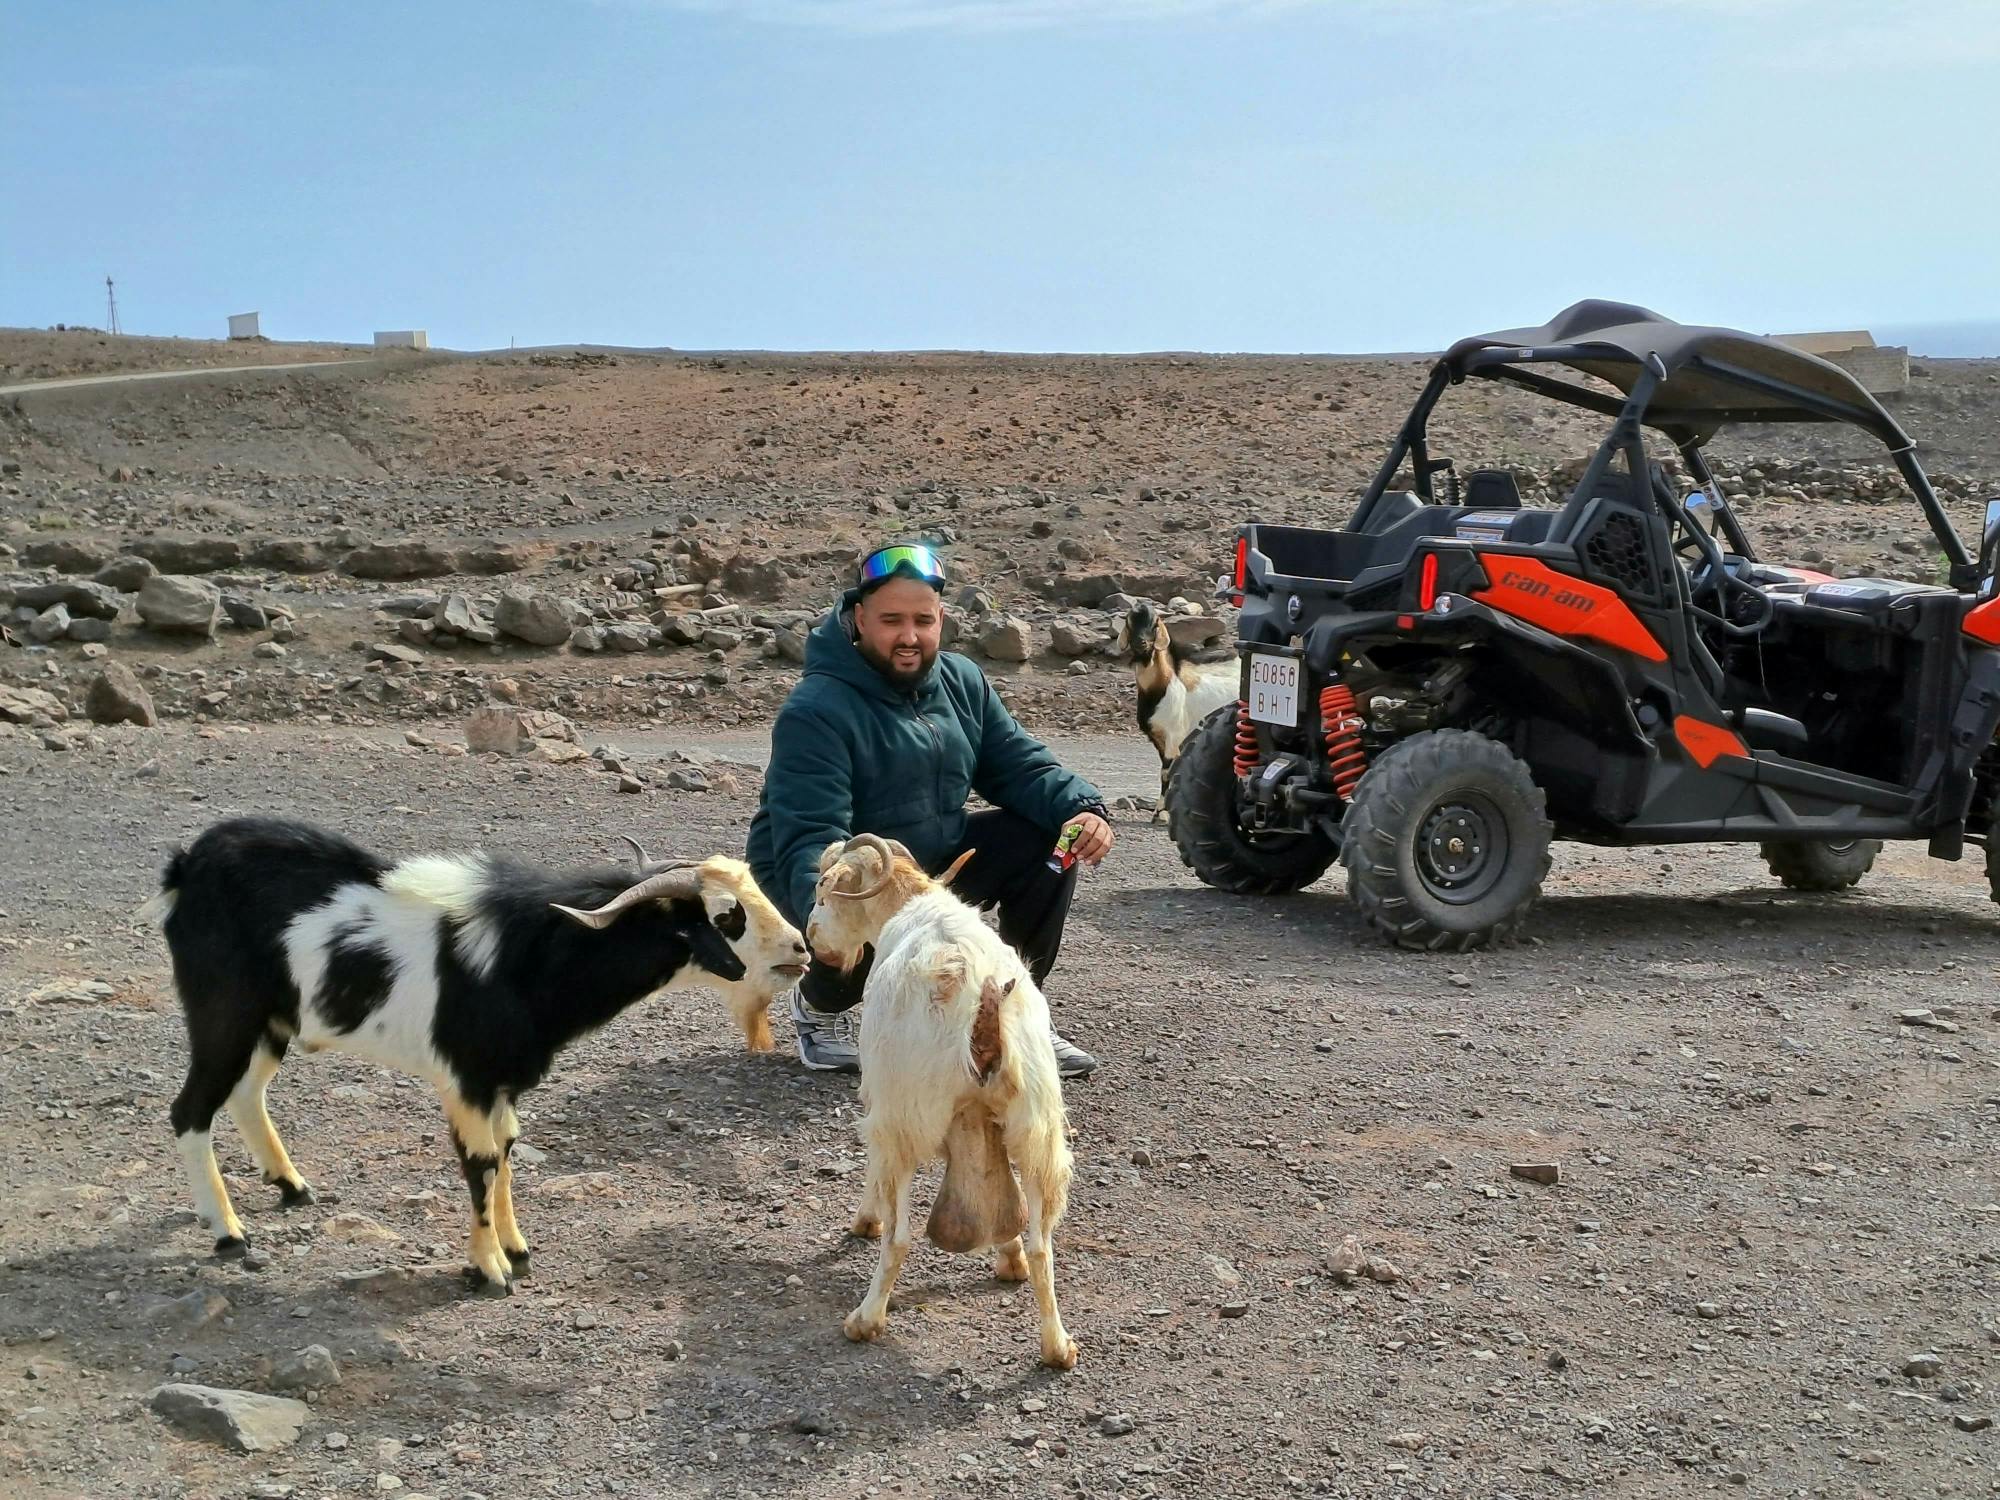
{"points": [[863, 1330], [295, 1195], [866, 1228], [1062, 1356], [517, 1261], [231, 1247], [485, 1285]]}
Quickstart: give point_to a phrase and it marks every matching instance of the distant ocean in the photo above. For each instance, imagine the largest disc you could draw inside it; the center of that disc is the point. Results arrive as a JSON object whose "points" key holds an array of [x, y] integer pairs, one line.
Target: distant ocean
{"points": [[1976, 338]]}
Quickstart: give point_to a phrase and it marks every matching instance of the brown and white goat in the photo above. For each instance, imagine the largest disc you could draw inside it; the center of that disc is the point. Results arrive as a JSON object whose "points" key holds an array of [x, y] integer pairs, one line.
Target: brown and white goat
{"points": [[468, 971], [1179, 686], [956, 1062]]}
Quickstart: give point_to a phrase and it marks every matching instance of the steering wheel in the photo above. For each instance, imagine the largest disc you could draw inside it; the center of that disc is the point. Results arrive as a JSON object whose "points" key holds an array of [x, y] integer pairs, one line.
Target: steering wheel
{"points": [[1715, 577]]}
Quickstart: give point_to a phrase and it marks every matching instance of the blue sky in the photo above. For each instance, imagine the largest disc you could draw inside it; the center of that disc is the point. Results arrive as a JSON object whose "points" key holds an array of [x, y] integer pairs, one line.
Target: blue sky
{"points": [[1278, 175]]}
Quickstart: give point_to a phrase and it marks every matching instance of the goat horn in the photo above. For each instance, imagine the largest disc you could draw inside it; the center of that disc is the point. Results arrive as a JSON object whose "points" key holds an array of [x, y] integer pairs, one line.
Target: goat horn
{"points": [[638, 850], [956, 865], [677, 882], [881, 847]]}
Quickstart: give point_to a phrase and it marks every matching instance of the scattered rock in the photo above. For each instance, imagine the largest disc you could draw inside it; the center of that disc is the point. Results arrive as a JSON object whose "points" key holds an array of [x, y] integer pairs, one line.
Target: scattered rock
{"points": [[116, 697], [457, 615], [1117, 1424], [312, 1368], [242, 1420], [514, 731], [1006, 638], [358, 1229], [1547, 1173], [194, 1309], [245, 614], [24, 705], [52, 624], [391, 651], [1350, 1263], [1923, 1367]]}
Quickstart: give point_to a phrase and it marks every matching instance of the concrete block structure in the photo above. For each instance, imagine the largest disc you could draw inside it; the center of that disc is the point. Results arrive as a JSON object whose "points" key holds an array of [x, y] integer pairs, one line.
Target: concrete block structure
{"points": [[1882, 369], [244, 326], [405, 338]]}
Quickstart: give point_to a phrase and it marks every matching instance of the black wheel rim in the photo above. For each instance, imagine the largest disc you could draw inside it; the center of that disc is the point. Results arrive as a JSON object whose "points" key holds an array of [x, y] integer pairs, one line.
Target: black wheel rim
{"points": [[1461, 848], [1845, 848]]}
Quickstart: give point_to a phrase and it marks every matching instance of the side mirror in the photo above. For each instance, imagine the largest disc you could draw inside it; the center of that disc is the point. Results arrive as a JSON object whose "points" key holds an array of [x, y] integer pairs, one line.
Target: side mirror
{"points": [[1989, 548]]}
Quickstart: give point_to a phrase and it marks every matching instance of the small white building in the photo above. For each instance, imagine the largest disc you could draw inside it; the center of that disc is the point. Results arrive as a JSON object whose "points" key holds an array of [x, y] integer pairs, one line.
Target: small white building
{"points": [[404, 338], [244, 326]]}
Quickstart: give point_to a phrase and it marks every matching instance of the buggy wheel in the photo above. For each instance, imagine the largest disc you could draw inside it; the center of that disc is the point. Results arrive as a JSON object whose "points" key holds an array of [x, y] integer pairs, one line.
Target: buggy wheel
{"points": [[1822, 866], [1446, 841], [1209, 833]]}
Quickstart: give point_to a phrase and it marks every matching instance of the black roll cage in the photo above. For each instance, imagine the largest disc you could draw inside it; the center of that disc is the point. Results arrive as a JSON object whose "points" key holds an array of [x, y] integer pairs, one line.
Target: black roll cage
{"points": [[1687, 431]]}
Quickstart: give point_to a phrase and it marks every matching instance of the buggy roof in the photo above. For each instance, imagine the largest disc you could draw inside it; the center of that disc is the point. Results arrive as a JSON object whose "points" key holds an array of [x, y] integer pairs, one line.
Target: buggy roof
{"points": [[1713, 376]]}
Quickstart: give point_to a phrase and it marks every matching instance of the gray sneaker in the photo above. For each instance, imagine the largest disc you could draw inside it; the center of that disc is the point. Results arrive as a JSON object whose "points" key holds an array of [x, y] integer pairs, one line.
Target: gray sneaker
{"points": [[1071, 1060], [829, 1041]]}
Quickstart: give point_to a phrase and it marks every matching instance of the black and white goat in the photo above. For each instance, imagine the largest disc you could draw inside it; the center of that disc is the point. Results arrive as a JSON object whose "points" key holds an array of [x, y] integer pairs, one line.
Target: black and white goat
{"points": [[466, 970], [1179, 686]]}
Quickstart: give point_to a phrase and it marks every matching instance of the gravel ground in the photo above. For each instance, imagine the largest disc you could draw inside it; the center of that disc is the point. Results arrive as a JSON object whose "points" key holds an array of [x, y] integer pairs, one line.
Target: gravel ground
{"points": [[1774, 1195]]}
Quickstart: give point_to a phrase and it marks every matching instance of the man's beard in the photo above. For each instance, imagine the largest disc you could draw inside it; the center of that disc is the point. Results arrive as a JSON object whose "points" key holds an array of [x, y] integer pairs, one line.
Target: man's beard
{"points": [[896, 675]]}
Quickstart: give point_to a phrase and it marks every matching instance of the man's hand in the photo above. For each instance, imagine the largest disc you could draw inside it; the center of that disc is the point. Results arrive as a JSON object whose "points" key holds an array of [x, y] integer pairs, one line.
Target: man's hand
{"points": [[1094, 842]]}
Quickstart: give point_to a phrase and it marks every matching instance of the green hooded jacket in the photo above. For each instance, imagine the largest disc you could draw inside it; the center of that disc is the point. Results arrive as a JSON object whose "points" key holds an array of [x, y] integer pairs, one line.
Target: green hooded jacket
{"points": [[851, 753]]}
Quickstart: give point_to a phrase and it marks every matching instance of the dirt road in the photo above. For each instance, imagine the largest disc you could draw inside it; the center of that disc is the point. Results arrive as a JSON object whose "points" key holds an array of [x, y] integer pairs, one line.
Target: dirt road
{"points": [[1774, 1195]]}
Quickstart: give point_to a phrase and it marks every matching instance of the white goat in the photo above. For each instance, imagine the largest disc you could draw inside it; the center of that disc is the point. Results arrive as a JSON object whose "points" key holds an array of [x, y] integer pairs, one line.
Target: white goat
{"points": [[1179, 686], [955, 1062]]}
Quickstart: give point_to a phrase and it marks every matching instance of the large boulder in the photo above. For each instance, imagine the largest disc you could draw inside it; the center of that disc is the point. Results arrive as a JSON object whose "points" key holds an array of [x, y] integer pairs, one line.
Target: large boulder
{"points": [[396, 560], [180, 606], [530, 615], [242, 1420], [489, 558], [66, 554], [190, 554], [289, 555], [127, 574], [84, 600], [116, 697]]}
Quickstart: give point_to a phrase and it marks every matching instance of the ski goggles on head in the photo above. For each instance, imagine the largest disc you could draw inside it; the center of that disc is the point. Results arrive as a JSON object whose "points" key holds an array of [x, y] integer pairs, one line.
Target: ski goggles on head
{"points": [[912, 560]]}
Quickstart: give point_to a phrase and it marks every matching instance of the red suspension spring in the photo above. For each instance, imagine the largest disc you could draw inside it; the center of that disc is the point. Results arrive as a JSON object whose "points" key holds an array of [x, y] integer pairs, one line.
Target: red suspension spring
{"points": [[1340, 722], [1248, 756]]}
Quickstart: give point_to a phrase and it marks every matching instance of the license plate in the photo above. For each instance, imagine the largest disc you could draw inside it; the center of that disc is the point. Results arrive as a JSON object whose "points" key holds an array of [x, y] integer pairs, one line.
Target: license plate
{"points": [[1274, 690]]}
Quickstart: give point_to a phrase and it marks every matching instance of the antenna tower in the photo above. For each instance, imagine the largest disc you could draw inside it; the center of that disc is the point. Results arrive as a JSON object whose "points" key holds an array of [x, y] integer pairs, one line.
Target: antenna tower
{"points": [[110, 307]]}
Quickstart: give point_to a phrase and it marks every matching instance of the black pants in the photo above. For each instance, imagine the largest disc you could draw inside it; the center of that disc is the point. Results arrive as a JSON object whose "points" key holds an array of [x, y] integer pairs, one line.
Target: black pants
{"points": [[1011, 871]]}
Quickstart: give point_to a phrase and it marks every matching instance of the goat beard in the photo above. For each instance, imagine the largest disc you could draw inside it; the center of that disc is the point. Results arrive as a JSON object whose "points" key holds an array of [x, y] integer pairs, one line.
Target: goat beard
{"points": [[897, 677]]}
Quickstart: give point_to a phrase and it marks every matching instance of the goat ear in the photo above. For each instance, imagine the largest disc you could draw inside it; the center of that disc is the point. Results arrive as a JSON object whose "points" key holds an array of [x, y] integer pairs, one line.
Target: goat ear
{"points": [[711, 953]]}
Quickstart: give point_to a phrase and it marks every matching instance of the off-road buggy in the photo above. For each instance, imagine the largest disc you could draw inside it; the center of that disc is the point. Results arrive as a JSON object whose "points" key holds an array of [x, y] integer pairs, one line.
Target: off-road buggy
{"points": [[1436, 690]]}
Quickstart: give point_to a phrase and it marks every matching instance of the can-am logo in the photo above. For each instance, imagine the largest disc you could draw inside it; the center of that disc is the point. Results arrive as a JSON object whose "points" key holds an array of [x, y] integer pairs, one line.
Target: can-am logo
{"points": [[1541, 588]]}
